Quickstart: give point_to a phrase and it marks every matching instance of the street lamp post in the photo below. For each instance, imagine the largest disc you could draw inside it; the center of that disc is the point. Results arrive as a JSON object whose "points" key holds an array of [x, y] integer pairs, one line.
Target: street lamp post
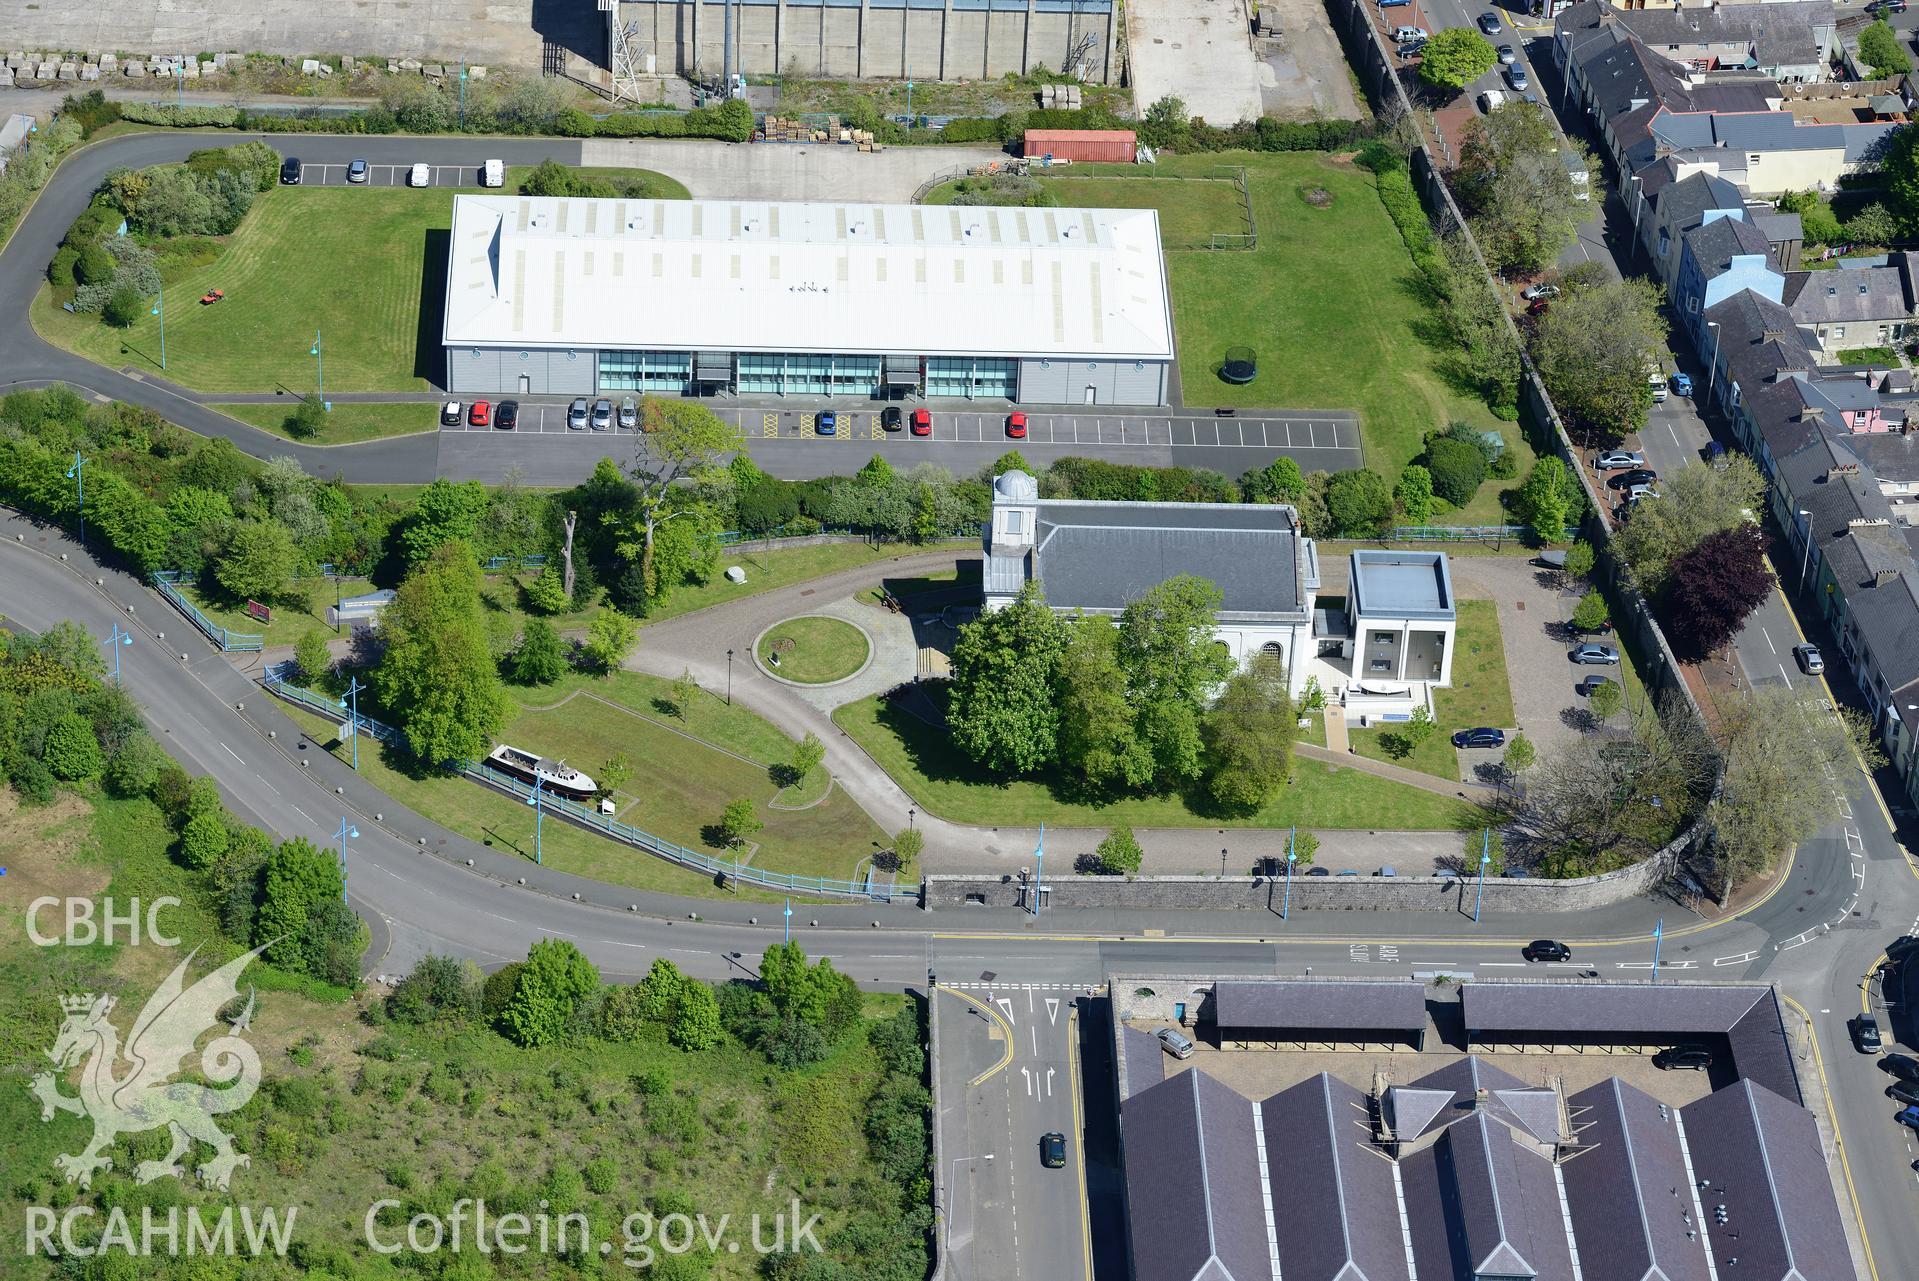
{"points": [[1805, 557], [1222, 862], [1286, 903], [346, 830], [116, 640], [539, 817], [1712, 370], [910, 812], [1485, 857], [353, 713], [463, 95], [160, 310], [729, 678], [1039, 867], [318, 352], [77, 474], [789, 920], [1658, 932]]}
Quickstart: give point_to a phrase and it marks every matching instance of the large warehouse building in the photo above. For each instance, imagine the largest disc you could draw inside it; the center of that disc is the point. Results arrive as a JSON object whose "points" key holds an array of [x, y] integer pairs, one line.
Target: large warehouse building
{"points": [[561, 296]]}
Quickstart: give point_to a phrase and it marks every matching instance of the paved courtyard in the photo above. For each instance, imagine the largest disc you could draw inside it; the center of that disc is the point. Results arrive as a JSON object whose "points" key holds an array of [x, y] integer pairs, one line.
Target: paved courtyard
{"points": [[1199, 51]]}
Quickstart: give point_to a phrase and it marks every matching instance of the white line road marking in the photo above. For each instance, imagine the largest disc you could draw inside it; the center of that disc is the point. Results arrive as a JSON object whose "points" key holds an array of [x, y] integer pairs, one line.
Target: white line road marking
{"points": [[303, 814], [1515, 965], [1741, 959], [230, 752], [1035, 1031], [1768, 635], [1052, 1010]]}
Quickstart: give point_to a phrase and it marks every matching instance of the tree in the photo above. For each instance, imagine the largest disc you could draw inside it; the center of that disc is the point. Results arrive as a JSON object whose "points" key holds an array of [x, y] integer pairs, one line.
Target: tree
{"points": [[541, 657], [1173, 661], [739, 820], [907, 846], [70, 749], [256, 560], [1782, 750], [554, 980], [1696, 501], [807, 755], [1477, 321], [1002, 711], [1817, 221], [1167, 124], [613, 773], [1304, 848], [1714, 588], [1545, 500], [547, 592], [1521, 755], [610, 638], [1097, 739], [299, 877], [203, 840], [1605, 701], [1458, 468], [124, 307], [1414, 494], [134, 766], [1592, 350], [1879, 47], [1514, 184], [1279, 481], [683, 439], [1249, 738], [437, 672], [814, 995], [1579, 559], [684, 690], [695, 1022], [1359, 503], [446, 511], [1590, 614], [308, 417], [1118, 853], [311, 656], [1456, 57]]}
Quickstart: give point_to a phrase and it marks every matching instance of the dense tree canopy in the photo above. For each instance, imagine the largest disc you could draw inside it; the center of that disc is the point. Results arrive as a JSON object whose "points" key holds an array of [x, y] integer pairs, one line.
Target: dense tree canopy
{"points": [[1593, 349], [1002, 710], [437, 672], [1521, 201], [1714, 587], [1456, 57]]}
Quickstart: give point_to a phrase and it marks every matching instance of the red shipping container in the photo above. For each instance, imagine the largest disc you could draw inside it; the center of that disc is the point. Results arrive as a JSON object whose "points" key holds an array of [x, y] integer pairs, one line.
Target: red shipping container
{"points": [[1117, 146]]}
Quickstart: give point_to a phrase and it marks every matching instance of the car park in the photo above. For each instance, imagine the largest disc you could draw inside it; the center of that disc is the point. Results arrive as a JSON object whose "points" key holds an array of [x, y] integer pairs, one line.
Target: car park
{"points": [[1810, 660], [1052, 1150], [1682, 1058], [1538, 307], [1715, 453], [1656, 384], [1016, 424], [1637, 492], [419, 176], [1516, 77], [1507, 55], [891, 419], [1350, 871], [1592, 684], [826, 423], [452, 414], [1483, 736], [922, 422], [576, 415], [1594, 655], [1886, 6], [1903, 1091], [479, 413], [1489, 23], [1410, 48], [506, 415], [1619, 458], [629, 413], [356, 171], [290, 171], [1865, 1034], [1491, 100], [493, 173], [1175, 1042], [1388, 870], [1318, 871], [1546, 950], [1682, 383], [602, 414]]}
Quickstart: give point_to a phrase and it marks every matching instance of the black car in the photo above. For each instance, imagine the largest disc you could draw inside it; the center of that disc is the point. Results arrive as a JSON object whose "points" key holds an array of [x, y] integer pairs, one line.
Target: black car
{"points": [[1886, 6], [1681, 1057], [506, 415], [290, 171], [1865, 1034], [1052, 1150], [1480, 737], [1627, 479], [1905, 1092], [1546, 950], [891, 418], [1903, 1066]]}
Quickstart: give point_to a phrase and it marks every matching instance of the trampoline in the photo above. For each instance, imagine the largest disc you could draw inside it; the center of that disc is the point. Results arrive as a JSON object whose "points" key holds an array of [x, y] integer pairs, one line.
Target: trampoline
{"points": [[1240, 366]]}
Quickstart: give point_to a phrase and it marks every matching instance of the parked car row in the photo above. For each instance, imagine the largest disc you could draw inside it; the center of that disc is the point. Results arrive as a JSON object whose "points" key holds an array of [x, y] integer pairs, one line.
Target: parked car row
{"points": [[419, 174], [481, 413]]}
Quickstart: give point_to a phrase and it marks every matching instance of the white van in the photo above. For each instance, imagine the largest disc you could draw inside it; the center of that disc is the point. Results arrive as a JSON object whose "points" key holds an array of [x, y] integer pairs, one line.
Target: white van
{"points": [[1176, 1045], [1491, 100], [1656, 380], [1577, 174], [493, 174]]}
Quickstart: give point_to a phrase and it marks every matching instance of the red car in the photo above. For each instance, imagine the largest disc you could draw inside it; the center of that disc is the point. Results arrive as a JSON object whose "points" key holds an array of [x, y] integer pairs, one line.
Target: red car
{"points": [[479, 415], [1537, 307], [1016, 424], [922, 422]]}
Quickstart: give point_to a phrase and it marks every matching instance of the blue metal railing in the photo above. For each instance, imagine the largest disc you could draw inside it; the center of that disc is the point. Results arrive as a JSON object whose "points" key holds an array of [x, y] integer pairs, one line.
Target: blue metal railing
{"points": [[494, 564], [1463, 533], [275, 682], [169, 583]]}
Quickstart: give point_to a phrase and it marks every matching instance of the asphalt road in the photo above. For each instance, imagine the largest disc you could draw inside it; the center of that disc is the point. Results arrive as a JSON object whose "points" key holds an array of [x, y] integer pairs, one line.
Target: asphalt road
{"points": [[964, 441]]}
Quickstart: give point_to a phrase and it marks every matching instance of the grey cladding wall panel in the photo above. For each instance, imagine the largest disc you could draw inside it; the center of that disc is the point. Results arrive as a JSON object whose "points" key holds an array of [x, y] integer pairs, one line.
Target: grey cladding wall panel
{"points": [[1064, 382], [497, 371]]}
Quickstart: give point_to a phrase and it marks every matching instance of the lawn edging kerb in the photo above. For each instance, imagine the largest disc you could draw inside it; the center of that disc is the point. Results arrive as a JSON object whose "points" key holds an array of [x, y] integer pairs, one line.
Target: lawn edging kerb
{"points": [[773, 673]]}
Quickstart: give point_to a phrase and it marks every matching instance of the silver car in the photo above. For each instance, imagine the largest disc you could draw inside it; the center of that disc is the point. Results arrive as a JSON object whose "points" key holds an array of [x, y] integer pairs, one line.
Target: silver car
{"points": [[1619, 458], [1595, 655], [602, 414], [629, 413], [576, 415], [1176, 1044]]}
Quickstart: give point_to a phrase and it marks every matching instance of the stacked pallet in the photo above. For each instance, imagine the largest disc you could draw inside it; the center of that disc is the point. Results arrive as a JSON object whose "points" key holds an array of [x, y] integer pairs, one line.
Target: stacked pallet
{"points": [[791, 129], [1060, 97]]}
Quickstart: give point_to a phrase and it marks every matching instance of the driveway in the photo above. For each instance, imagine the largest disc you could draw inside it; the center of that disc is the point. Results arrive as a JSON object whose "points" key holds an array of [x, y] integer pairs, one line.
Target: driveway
{"points": [[1532, 609]]}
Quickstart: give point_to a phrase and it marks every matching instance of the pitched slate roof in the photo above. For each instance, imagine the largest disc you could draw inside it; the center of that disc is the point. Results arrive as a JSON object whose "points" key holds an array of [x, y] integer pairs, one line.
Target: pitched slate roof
{"points": [[1784, 34], [1191, 1139], [1757, 339], [1848, 295], [1760, 1157], [1145, 1059], [1341, 1216], [1629, 1190], [1716, 244], [1256, 1003], [1684, 204], [1451, 1093]]}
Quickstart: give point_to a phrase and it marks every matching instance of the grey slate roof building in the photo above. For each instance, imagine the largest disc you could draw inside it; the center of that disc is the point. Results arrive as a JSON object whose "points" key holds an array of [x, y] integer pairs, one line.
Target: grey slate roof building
{"points": [[1268, 1009], [1193, 1141], [1848, 295], [1341, 1215], [1633, 1210]]}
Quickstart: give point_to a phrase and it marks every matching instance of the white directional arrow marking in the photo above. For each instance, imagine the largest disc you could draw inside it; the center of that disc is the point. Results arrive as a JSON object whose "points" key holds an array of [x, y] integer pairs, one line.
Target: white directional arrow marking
{"points": [[1028, 1074], [1049, 1082]]}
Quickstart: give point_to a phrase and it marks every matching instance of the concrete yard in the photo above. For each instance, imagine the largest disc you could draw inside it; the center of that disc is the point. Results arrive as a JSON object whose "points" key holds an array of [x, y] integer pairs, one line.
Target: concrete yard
{"points": [[789, 171], [1303, 73], [1199, 51]]}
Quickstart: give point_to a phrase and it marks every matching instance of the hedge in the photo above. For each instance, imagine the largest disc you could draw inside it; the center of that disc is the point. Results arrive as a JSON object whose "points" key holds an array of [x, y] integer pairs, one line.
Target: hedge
{"points": [[729, 122]]}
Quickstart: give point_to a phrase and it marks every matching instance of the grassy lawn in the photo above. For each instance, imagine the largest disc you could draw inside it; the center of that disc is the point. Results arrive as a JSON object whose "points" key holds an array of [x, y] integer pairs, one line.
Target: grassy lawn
{"points": [[814, 650], [1190, 212], [297, 611], [783, 567], [1481, 694], [347, 423], [1330, 301], [923, 761]]}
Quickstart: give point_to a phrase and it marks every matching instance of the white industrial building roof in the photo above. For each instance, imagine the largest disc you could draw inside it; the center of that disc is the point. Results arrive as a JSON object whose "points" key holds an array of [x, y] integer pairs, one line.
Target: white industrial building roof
{"points": [[753, 276]]}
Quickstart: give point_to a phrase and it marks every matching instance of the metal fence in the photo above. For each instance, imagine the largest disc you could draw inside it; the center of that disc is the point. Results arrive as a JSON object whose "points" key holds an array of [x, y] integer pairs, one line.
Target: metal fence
{"points": [[727, 871], [169, 582], [1464, 533]]}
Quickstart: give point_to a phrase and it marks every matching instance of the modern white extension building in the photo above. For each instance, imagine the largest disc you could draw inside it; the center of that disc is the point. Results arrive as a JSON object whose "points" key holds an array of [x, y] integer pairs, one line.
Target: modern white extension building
{"points": [[565, 296]]}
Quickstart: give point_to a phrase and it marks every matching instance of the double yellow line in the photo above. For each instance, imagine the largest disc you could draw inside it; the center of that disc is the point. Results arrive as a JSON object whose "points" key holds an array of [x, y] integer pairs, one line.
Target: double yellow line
{"points": [[1838, 1139], [1006, 1032]]}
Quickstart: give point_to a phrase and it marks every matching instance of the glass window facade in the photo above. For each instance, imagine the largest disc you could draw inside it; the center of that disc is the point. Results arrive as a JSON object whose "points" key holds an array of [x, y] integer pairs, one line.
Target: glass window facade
{"points": [[808, 373], [669, 371], [972, 376]]}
